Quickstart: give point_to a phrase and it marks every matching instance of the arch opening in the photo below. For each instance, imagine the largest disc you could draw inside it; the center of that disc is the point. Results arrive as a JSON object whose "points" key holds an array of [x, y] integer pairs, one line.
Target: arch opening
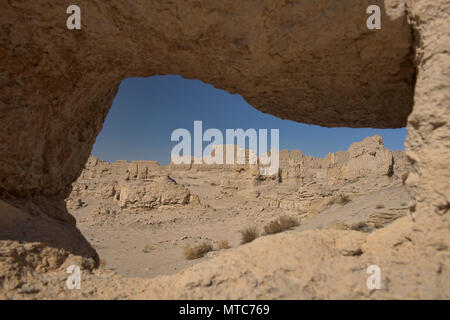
{"points": [[284, 59], [140, 211]]}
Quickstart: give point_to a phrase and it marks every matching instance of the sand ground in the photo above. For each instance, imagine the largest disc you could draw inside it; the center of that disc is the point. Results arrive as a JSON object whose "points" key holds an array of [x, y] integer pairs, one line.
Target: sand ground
{"points": [[150, 243]]}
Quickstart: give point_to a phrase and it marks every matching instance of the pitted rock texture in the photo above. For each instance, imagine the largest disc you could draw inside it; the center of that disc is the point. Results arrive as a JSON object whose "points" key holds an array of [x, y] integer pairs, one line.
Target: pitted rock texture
{"points": [[314, 264], [308, 61], [140, 185], [365, 159], [32, 244], [428, 143]]}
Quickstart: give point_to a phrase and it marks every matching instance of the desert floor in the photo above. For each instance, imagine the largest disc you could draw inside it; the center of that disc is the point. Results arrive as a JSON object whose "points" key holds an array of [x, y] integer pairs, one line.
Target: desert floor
{"points": [[151, 242]]}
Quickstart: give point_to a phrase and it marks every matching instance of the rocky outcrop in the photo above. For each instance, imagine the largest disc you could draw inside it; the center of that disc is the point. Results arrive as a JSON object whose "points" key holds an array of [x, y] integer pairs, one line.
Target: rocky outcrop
{"points": [[314, 264], [365, 159], [35, 244], [96, 169], [319, 264], [143, 196], [308, 61], [427, 144], [278, 55], [136, 185]]}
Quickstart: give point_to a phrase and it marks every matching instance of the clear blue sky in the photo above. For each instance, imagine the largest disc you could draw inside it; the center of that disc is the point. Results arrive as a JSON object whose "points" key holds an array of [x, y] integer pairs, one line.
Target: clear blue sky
{"points": [[147, 110]]}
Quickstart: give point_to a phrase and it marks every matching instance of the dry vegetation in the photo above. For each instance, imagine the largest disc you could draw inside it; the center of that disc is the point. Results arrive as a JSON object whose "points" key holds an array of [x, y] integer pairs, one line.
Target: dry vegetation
{"points": [[197, 251], [102, 262], [360, 226], [380, 206], [249, 234], [223, 244], [148, 248], [281, 224], [343, 199]]}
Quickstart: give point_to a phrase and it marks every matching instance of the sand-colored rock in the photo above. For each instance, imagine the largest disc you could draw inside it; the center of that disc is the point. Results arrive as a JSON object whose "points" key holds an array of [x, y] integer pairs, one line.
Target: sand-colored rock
{"points": [[309, 61], [317, 180], [318, 265], [427, 144], [152, 195], [279, 56], [363, 159], [45, 246], [315, 264]]}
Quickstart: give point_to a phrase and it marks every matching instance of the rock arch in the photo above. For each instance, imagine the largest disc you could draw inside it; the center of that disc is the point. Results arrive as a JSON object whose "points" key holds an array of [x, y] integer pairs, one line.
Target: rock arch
{"points": [[308, 61]]}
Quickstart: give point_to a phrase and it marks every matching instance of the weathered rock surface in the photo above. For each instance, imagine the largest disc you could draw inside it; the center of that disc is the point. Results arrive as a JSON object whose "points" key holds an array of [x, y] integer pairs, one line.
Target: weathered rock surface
{"points": [[151, 196], [428, 143], [123, 187], [313, 62], [146, 185], [34, 244], [315, 264], [364, 159], [308, 61], [319, 265]]}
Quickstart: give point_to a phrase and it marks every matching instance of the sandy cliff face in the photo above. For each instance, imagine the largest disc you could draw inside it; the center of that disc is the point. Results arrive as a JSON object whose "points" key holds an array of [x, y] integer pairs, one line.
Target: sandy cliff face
{"points": [[309, 61], [427, 143], [314, 62], [141, 185], [364, 159]]}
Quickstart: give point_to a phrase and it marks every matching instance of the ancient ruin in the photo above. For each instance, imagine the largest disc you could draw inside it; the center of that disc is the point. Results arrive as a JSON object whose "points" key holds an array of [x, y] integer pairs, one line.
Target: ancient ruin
{"points": [[308, 61]]}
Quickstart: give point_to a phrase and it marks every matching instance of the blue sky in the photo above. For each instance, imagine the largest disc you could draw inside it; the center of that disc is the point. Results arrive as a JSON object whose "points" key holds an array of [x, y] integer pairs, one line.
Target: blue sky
{"points": [[147, 110]]}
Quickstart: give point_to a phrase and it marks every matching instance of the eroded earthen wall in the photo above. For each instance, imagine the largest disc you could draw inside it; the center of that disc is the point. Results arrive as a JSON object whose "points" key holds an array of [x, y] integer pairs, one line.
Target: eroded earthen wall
{"points": [[308, 61]]}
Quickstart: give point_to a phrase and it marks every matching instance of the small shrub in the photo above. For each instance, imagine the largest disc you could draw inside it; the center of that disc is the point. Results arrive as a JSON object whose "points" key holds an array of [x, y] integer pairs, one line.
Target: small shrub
{"points": [[102, 263], [343, 199], [404, 204], [288, 222], [198, 251], [339, 226], [360, 226], [380, 206], [404, 177], [281, 224], [223, 244], [249, 234], [273, 227], [148, 248]]}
